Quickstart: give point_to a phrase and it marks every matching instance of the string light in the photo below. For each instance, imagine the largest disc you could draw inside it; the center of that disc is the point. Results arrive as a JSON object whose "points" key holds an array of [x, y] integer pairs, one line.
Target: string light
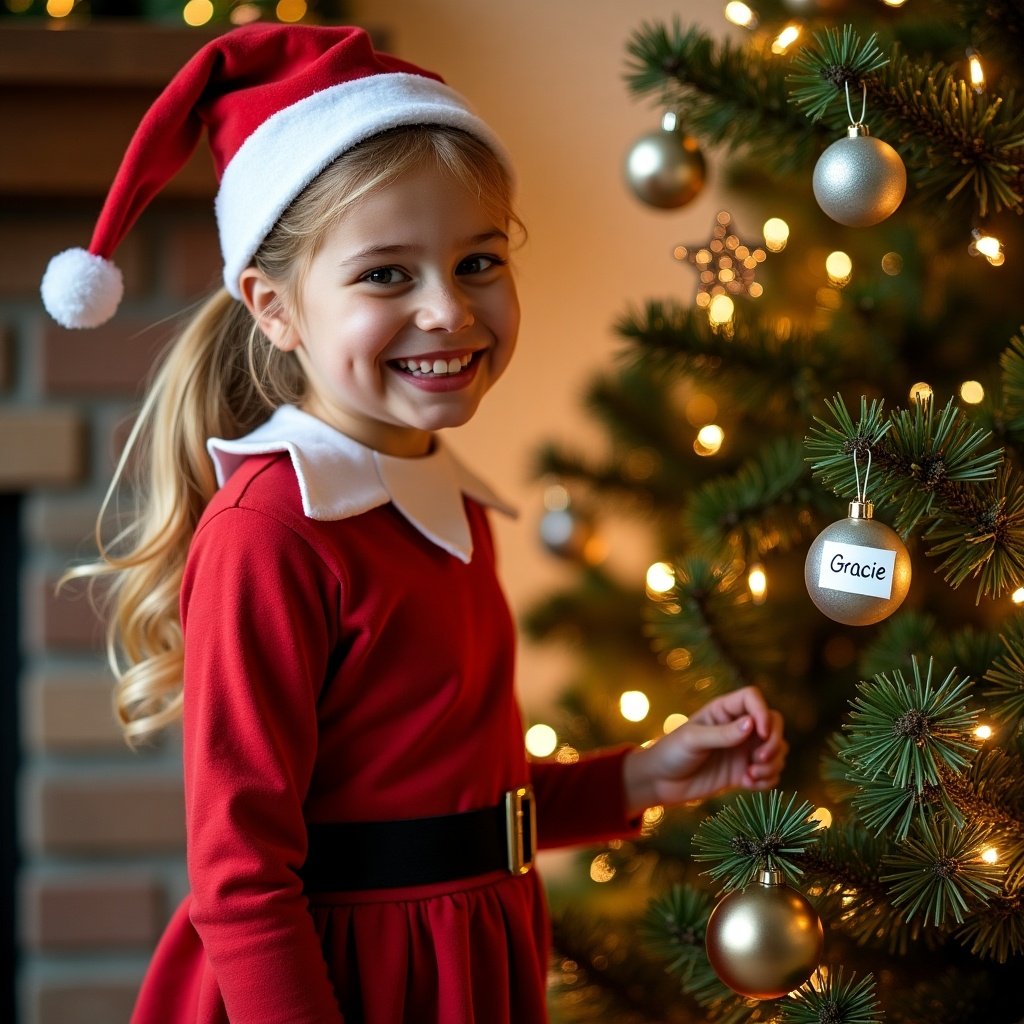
{"points": [[290, 10], [921, 392], [990, 856], [673, 722], [1017, 597], [983, 732], [634, 705], [785, 39], [660, 578], [972, 392], [823, 816], [892, 264], [601, 868], [976, 71], [776, 234], [59, 8], [839, 268], [709, 439], [757, 583], [541, 740], [984, 244], [740, 14], [721, 307], [197, 12]]}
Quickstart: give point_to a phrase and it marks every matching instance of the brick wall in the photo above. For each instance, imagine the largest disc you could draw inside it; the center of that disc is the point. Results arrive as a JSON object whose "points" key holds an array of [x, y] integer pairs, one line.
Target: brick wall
{"points": [[100, 834]]}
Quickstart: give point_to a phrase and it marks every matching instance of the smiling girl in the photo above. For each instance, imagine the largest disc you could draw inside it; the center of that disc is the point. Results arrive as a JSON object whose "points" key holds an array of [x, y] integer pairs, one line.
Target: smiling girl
{"points": [[310, 580]]}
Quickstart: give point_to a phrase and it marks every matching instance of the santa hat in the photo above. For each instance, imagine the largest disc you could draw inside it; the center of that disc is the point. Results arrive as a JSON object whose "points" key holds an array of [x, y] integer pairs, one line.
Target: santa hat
{"points": [[279, 103]]}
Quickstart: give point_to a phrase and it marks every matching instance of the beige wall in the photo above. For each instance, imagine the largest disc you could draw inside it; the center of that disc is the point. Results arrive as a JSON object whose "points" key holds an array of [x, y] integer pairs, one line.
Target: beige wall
{"points": [[547, 75]]}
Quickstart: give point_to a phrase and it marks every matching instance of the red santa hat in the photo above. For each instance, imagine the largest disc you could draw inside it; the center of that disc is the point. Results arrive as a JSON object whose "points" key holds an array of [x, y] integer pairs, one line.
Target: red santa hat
{"points": [[279, 104]]}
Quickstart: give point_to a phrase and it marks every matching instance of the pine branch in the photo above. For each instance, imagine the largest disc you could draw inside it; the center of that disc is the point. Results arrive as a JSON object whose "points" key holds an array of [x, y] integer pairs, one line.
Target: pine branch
{"points": [[768, 365], [709, 614], [833, 999], [1006, 678], [755, 832], [759, 508], [939, 872], [727, 94]]}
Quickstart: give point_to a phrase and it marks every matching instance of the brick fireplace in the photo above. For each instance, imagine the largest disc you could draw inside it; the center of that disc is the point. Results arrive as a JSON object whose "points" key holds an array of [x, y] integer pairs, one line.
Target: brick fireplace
{"points": [[91, 833]]}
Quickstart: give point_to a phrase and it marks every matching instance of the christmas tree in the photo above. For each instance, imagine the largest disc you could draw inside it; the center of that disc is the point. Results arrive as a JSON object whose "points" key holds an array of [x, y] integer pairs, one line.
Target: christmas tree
{"points": [[825, 447]]}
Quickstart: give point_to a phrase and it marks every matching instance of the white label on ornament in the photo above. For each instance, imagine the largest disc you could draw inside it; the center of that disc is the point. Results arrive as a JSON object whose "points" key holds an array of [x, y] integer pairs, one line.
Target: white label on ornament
{"points": [[854, 569]]}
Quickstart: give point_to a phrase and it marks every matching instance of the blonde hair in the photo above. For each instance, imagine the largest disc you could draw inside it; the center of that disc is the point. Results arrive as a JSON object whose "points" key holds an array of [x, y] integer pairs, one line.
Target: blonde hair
{"points": [[222, 378]]}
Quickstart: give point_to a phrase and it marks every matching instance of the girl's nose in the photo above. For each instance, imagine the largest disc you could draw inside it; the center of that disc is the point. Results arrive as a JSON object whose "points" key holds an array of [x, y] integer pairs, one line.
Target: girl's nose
{"points": [[444, 307]]}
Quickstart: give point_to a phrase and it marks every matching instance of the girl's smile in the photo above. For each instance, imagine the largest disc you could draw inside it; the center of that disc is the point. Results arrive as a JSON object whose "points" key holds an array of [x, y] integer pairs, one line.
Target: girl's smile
{"points": [[407, 314]]}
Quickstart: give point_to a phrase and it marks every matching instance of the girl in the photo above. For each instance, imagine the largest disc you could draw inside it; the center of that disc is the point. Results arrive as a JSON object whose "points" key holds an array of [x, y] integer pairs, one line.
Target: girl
{"points": [[311, 579]]}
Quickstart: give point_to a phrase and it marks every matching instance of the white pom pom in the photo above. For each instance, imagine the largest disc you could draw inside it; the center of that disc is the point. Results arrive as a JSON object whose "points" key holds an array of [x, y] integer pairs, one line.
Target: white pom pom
{"points": [[80, 289]]}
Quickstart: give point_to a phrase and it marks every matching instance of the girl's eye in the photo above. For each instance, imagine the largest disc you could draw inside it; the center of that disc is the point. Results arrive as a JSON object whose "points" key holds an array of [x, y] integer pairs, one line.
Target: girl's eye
{"points": [[478, 264], [386, 275]]}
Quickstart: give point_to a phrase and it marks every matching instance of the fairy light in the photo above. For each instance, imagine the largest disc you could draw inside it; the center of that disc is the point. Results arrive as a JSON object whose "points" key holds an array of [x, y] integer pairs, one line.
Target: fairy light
{"points": [[776, 234], [243, 14], [660, 578], [290, 10], [721, 309], [975, 69], [921, 392], [197, 12], [1017, 597], [673, 722], [972, 392], [757, 583], [700, 409], [823, 816], [541, 740], [894, 3], [740, 14], [785, 39], [59, 8], [567, 754], [892, 264], [601, 868], [634, 705], [678, 658], [983, 732], [709, 439], [984, 244], [990, 855], [839, 267]]}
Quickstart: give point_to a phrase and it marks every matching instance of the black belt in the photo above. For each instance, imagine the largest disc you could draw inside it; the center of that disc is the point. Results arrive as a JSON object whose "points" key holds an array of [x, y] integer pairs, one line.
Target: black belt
{"points": [[350, 855]]}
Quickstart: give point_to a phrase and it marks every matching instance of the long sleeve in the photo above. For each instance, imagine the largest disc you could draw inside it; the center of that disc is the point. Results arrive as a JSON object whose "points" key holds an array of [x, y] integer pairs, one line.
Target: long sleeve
{"points": [[258, 611], [584, 802]]}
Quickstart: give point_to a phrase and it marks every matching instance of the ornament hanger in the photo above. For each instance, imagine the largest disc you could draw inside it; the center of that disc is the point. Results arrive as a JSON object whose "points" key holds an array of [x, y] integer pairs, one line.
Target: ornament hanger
{"points": [[863, 104], [862, 494]]}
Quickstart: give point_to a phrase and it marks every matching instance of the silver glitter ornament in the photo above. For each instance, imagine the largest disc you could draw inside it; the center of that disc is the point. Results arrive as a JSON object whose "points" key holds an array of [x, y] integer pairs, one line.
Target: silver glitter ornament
{"points": [[857, 570], [860, 180], [666, 169], [766, 939]]}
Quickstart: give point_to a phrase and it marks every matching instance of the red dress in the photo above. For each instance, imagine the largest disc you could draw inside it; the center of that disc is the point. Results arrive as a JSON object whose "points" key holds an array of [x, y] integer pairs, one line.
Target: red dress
{"points": [[351, 670]]}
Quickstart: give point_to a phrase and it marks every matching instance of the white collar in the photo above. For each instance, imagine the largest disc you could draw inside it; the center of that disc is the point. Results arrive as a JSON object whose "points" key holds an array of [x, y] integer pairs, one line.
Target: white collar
{"points": [[339, 477]]}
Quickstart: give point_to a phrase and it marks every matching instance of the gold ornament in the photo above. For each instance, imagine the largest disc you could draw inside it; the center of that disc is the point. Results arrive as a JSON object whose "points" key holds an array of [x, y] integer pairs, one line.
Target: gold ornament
{"points": [[766, 939], [857, 570], [665, 169]]}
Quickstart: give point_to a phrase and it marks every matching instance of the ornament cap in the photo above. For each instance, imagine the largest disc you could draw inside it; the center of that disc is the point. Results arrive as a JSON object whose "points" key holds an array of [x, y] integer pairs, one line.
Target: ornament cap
{"points": [[771, 877], [857, 131], [861, 509]]}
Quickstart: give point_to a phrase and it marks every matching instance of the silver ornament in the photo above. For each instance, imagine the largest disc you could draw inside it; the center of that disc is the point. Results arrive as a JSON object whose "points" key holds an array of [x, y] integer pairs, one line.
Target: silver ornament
{"points": [[764, 940], [666, 168], [860, 180], [857, 570]]}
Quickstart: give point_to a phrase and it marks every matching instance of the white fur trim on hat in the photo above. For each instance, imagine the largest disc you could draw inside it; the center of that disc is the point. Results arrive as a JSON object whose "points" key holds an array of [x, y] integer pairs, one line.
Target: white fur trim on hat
{"points": [[81, 289], [293, 146]]}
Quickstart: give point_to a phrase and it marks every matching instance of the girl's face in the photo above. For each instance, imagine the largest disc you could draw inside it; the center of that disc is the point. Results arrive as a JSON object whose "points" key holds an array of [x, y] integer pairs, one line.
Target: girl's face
{"points": [[407, 316]]}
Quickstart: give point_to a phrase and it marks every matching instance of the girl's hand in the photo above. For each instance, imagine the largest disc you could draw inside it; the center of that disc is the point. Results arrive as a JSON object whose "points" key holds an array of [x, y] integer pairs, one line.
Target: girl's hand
{"points": [[733, 742]]}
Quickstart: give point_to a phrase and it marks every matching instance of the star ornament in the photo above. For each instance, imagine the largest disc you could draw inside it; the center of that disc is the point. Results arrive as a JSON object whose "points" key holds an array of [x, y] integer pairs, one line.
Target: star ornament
{"points": [[725, 265]]}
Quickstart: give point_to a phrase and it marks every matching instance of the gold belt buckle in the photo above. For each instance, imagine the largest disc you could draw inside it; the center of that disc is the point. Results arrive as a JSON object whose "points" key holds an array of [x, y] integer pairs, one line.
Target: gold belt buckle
{"points": [[521, 828]]}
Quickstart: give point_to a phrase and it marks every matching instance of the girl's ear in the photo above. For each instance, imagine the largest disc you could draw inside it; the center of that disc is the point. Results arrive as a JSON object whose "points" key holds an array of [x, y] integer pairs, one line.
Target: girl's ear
{"points": [[266, 303]]}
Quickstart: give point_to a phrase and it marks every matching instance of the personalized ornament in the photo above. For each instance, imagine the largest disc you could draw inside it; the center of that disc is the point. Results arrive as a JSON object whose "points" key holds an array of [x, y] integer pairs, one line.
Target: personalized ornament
{"points": [[666, 168], [766, 939], [857, 570], [860, 180]]}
